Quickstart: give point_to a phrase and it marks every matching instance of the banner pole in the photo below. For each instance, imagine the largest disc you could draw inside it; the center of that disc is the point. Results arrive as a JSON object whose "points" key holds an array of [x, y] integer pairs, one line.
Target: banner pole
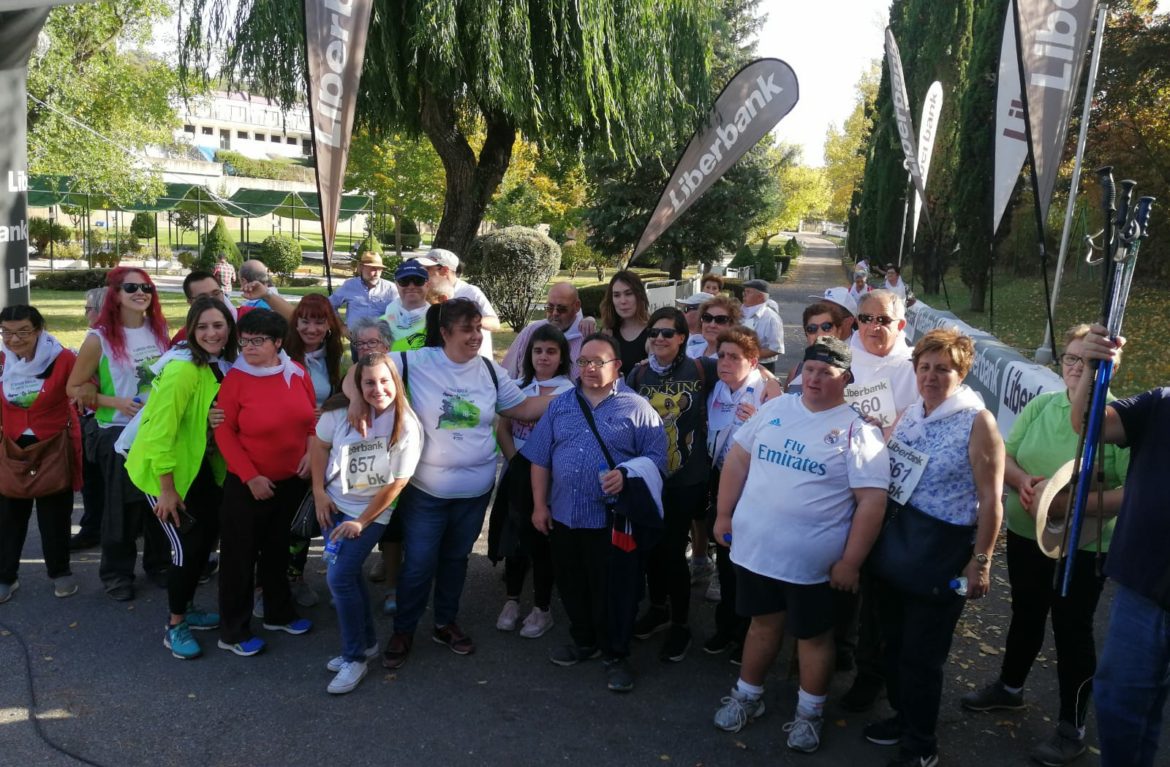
{"points": [[1074, 188], [905, 212]]}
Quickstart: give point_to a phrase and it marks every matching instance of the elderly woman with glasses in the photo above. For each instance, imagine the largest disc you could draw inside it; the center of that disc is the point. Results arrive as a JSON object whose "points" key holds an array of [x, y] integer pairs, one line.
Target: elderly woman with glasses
{"points": [[269, 419], [715, 315], [1040, 442]]}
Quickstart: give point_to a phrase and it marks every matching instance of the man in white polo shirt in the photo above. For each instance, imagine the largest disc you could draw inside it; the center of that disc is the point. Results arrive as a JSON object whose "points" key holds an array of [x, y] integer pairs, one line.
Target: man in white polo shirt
{"points": [[442, 266], [758, 316], [806, 479]]}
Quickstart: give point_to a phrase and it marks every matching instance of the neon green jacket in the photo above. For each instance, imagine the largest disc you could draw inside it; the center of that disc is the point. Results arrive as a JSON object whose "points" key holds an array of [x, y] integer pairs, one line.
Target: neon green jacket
{"points": [[172, 435]]}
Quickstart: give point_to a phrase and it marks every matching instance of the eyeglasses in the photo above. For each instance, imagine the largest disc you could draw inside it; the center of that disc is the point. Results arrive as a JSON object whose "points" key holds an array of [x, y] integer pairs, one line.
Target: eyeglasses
{"points": [[824, 327], [89, 308], [585, 364], [134, 287], [255, 342], [718, 319], [880, 319], [18, 335], [368, 344], [557, 308], [1071, 360], [667, 333], [412, 282], [689, 309]]}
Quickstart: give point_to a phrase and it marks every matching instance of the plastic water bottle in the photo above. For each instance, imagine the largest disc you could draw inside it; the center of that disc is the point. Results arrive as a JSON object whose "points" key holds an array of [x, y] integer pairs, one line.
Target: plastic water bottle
{"points": [[602, 470], [959, 585], [740, 421], [332, 548]]}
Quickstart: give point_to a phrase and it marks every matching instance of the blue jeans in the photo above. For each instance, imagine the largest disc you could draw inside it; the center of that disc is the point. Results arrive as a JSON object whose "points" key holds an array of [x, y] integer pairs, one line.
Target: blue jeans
{"points": [[350, 596], [1132, 680], [438, 534]]}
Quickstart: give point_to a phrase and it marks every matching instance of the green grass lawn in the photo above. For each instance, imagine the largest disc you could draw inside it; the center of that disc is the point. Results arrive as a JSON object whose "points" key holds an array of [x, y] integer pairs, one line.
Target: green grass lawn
{"points": [[1019, 321]]}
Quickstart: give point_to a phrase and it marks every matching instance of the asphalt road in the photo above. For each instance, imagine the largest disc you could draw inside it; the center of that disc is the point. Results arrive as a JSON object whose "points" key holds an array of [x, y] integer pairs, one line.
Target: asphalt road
{"points": [[109, 692]]}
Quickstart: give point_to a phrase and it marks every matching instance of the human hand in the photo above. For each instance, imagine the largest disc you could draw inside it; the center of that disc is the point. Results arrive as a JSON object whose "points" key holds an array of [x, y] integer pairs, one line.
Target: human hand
{"points": [[262, 487], [358, 416], [214, 415], [303, 467], [612, 482], [127, 406], [978, 579], [1027, 491], [844, 576], [542, 518], [723, 531], [167, 507], [325, 509], [350, 528]]}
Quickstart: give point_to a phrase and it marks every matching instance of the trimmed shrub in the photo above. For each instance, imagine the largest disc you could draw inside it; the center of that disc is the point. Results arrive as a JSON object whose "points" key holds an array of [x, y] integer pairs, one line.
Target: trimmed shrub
{"points": [[512, 265], [766, 264], [575, 256], [281, 254], [591, 296], [411, 238], [143, 226], [793, 247], [236, 164], [42, 231], [71, 279], [743, 257], [301, 282], [217, 241], [369, 243]]}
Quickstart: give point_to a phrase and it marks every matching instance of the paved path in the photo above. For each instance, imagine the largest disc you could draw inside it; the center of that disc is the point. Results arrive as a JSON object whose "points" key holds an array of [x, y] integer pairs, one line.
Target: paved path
{"points": [[817, 269]]}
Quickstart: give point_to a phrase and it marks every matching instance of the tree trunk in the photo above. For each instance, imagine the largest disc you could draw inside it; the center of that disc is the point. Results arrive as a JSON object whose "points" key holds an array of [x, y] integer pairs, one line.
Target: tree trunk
{"points": [[471, 181], [397, 211], [979, 291]]}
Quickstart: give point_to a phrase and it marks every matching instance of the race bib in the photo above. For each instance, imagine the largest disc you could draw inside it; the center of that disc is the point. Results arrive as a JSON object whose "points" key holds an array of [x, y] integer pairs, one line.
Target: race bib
{"points": [[873, 401], [365, 465], [906, 468]]}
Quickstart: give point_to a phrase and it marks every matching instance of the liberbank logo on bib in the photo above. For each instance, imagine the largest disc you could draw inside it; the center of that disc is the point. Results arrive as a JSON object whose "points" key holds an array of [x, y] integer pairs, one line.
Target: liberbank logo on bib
{"points": [[790, 457]]}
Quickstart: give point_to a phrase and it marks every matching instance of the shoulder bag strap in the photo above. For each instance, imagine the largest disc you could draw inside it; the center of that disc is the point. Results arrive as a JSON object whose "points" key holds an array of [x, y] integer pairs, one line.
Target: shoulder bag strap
{"points": [[491, 371], [588, 413]]}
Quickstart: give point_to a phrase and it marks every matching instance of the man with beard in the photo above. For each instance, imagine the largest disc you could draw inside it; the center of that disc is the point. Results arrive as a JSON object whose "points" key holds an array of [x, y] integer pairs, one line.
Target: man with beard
{"points": [[365, 294], [443, 266]]}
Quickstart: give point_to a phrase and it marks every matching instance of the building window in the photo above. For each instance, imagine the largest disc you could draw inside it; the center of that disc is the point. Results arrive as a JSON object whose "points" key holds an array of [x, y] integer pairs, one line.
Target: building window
{"points": [[261, 137], [189, 129], [291, 141], [307, 147], [207, 131], [242, 134], [275, 139], [225, 139]]}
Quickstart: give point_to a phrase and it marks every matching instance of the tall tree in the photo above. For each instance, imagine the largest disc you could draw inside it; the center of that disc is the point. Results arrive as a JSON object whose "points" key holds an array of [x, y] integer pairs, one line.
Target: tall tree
{"points": [[622, 75], [96, 101], [402, 174], [845, 147]]}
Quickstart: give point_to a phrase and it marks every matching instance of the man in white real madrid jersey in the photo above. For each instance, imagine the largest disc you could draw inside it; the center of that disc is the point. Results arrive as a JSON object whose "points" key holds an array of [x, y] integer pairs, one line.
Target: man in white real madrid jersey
{"points": [[806, 480]]}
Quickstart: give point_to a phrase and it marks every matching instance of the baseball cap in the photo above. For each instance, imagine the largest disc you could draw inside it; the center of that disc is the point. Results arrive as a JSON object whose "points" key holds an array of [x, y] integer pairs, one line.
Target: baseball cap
{"points": [[841, 297], [830, 351], [439, 257], [411, 268], [694, 299]]}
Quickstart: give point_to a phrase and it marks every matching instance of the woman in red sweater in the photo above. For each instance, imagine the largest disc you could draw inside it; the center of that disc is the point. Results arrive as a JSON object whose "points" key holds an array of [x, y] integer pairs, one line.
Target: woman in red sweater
{"points": [[34, 407], [268, 419]]}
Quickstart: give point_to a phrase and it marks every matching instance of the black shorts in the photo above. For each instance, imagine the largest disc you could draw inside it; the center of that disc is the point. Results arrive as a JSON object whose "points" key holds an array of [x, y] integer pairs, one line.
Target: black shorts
{"points": [[393, 532], [809, 607]]}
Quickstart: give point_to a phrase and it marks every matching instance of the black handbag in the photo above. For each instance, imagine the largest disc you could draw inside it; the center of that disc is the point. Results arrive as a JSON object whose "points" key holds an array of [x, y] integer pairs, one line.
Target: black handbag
{"points": [[304, 523], [918, 553]]}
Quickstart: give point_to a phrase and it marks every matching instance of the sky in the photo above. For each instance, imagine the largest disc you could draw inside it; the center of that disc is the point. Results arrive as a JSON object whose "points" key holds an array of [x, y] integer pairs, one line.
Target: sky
{"points": [[828, 43]]}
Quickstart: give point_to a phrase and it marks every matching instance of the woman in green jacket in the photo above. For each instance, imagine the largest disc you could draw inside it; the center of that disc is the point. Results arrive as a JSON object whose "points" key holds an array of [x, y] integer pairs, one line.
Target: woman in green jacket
{"points": [[174, 462]]}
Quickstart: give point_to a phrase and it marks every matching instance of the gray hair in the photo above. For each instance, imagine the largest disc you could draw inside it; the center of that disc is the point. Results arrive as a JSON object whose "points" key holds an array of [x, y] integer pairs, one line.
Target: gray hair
{"points": [[887, 297], [253, 270], [364, 323], [95, 297]]}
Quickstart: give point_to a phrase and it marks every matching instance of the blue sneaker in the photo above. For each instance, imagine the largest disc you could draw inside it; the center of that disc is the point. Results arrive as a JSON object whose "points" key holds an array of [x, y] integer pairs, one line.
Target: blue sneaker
{"points": [[245, 649], [299, 626], [201, 620], [179, 641]]}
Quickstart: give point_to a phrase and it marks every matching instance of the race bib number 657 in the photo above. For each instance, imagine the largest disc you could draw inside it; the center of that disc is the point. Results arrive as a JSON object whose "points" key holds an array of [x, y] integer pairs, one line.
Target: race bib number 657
{"points": [[365, 465]]}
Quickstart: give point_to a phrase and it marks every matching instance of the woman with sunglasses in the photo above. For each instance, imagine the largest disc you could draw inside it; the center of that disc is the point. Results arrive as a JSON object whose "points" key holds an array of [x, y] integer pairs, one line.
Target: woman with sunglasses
{"points": [[34, 408], [127, 338], [715, 315], [407, 315], [269, 416], [314, 341], [170, 462], [677, 387], [624, 311], [823, 318]]}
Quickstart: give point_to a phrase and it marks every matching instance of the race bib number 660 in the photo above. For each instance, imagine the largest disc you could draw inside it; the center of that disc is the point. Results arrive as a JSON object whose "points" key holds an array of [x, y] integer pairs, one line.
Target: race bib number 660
{"points": [[365, 465]]}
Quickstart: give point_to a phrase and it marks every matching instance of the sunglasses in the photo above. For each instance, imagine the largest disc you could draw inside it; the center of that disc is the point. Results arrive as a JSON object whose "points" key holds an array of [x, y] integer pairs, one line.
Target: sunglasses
{"points": [[416, 282], [718, 319], [134, 287], [667, 333], [824, 327], [880, 319], [557, 308]]}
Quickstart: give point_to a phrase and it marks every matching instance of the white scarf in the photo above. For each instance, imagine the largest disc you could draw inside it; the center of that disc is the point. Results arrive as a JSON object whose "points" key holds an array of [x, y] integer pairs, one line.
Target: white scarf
{"points": [[408, 317], [721, 413], [556, 383], [18, 370], [286, 368], [913, 423]]}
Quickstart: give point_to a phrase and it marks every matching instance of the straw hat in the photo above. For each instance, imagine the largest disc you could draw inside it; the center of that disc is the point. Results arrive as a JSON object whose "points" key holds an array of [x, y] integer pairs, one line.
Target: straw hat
{"points": [[1050, 534]]}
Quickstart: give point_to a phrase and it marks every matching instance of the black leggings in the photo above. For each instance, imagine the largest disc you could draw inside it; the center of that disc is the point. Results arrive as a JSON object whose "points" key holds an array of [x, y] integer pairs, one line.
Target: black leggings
{"points": [[667, 573], [1033, 598], [189, 550], [535, 551]]}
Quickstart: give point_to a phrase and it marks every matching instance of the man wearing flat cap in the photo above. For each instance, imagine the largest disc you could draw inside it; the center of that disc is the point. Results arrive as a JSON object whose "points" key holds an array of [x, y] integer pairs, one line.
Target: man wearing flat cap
{"points": [[762, 318], [806, 480]]}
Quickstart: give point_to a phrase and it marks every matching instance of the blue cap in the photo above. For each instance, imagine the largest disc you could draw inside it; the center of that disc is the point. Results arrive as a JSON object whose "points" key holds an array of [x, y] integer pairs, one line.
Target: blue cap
{"points": [[411, 268]]}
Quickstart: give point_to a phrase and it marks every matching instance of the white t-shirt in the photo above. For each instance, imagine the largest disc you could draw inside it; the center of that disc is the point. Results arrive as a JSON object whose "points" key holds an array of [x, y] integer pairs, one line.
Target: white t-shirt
{"points": [[467, 290], [796, 509], [128, 379], [768, 326], [522, 429], [896, 367], [456, 404], [332, 427]]}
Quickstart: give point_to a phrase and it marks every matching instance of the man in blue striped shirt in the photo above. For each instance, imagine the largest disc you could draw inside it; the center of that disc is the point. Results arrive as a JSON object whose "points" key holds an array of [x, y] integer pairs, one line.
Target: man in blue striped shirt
{"points": [[569, 504]]}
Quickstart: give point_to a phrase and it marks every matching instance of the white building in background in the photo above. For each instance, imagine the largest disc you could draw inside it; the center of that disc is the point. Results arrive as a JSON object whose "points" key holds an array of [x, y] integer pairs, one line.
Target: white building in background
{"points": [[251, 125]]}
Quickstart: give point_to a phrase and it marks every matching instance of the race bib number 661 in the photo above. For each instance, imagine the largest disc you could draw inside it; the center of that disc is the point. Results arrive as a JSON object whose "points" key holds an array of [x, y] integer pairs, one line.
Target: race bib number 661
{"points": [[906, 468], [365, 465]]}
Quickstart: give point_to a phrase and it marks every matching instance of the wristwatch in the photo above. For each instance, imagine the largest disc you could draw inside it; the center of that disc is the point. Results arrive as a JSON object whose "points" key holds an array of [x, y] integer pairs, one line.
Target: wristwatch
{"points": [[982, 559]]}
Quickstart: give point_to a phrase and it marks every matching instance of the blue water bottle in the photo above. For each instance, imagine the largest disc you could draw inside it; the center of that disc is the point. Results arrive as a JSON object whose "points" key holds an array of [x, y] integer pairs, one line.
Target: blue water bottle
{"points": [[332, 547]]}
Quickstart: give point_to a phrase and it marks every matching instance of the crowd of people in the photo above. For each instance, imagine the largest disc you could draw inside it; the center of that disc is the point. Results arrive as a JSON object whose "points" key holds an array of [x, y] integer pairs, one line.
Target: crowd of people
{"points": [[643, 451]]}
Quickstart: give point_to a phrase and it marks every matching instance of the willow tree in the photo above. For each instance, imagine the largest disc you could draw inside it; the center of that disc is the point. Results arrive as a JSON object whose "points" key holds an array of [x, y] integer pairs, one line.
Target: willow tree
{"points": [[619, 74]]}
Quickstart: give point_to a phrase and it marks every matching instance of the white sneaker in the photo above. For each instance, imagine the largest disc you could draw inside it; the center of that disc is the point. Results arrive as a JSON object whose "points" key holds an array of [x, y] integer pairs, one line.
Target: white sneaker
{"points": [[537, 623], [65, 586], [701, 568], [714, 591], [347, 677], [509, 616], [737, 710], [335, 664]]}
